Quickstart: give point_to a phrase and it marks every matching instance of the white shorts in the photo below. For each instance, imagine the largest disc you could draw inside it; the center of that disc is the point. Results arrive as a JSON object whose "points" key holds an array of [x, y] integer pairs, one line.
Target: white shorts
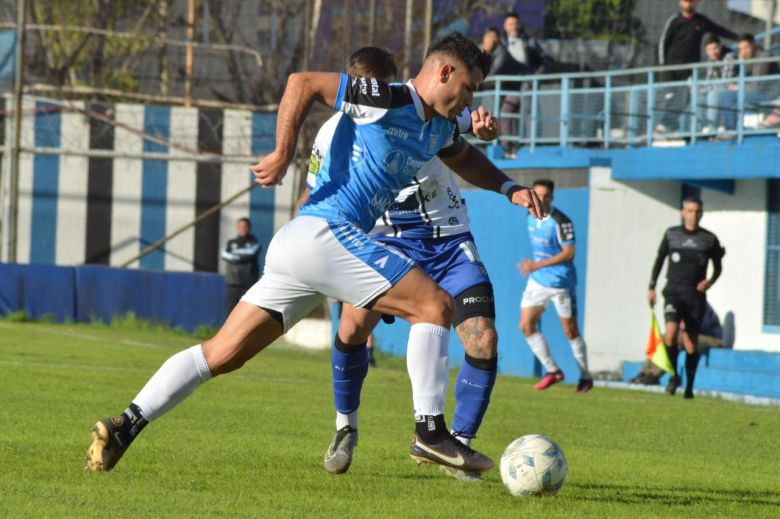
{"points": [[564, 299], [310, 258]]}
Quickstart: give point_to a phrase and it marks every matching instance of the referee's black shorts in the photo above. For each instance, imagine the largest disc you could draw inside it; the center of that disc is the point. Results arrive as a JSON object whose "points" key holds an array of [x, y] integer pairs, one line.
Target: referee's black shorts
{"points": [[685, 304]]}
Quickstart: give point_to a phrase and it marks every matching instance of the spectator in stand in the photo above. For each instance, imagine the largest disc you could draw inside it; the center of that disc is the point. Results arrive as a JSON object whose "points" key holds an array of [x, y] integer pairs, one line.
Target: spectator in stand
{"points": [[715, 53], [526, 51], [242, 256], [501, 62], [680, 43], [758, 94]]}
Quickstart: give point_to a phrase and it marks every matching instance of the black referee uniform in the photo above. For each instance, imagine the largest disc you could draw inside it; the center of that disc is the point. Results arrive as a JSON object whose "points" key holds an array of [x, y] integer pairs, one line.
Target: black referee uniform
{"points": [[689, 255]]}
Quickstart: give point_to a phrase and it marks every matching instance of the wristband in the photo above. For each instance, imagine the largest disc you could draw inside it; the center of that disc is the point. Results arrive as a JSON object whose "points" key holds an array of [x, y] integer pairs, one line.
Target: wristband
{"points": [[506, 186]]}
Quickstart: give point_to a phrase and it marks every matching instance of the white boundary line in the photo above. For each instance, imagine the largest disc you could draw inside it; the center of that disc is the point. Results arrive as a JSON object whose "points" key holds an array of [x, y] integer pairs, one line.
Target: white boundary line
{"points": [[95, 338], [722, 395]]}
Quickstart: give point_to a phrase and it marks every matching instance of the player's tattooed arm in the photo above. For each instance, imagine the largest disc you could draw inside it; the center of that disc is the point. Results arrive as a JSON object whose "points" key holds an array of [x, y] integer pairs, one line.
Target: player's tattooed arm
{"points": [[303, 89], [473, 167]]}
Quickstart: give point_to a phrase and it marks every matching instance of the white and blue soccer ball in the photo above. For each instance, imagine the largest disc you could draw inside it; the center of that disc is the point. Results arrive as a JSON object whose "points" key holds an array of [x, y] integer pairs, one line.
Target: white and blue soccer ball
{"points": [[533, 465]]}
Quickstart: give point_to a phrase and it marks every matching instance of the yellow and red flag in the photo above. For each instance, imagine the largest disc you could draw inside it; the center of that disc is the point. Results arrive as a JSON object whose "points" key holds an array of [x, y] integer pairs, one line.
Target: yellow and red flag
{"points": [[656, 349]]}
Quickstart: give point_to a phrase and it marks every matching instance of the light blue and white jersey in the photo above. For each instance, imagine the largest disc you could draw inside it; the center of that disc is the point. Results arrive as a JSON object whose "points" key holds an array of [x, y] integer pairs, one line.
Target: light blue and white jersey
{"points": [[548, 236], [431, 206], [375, 151]]}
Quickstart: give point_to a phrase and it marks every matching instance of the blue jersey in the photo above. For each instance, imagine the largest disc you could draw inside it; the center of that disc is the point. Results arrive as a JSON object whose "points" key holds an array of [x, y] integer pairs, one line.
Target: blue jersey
{"points": [[548, 236], [375, 151]]}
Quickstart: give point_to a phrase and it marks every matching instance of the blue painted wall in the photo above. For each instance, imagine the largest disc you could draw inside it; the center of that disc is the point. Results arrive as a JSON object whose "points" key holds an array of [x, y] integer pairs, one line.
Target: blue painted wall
{"points": [[502, 239], [88, 293]]}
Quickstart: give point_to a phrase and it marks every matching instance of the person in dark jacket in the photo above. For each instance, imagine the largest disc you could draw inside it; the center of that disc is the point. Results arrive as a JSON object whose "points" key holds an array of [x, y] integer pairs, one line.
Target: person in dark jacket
{"points": [[526, 51], [503, 63], [242, 270], [680, 43]]}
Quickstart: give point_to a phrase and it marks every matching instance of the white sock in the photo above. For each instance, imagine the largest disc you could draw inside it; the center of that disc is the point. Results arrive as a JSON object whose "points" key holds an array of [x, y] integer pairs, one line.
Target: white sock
{"points": [[176, 379], [580, 355], [542, 351], [342, 420], [461, 439], [426, 361]]}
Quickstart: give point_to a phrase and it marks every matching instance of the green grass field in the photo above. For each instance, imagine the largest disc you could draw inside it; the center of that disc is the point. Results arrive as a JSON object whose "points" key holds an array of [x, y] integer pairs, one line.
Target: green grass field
{"points": [[251, 444]]}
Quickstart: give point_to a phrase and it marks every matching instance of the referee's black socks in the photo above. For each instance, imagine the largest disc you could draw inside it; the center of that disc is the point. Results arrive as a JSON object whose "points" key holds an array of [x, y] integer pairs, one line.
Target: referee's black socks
{"points": [[673, 352], [691, 361]]}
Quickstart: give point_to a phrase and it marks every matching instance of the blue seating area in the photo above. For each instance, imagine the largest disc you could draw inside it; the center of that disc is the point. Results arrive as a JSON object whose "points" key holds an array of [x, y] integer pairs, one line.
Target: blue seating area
{"points": [[745, 372]]}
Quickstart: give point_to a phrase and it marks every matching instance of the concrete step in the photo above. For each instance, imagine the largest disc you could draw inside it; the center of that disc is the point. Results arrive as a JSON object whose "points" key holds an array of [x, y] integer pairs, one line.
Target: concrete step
{"points": [[740, 381], [746, 360]]}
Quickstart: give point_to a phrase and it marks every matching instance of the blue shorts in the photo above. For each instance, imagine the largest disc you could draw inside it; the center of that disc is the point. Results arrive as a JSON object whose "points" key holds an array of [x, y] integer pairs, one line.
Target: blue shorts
{"points": [[452, 262]]}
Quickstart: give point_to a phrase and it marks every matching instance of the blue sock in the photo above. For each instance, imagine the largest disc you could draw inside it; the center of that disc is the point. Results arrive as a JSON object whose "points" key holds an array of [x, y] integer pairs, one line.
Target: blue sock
{"points": [[349, 365], [472, 394]]}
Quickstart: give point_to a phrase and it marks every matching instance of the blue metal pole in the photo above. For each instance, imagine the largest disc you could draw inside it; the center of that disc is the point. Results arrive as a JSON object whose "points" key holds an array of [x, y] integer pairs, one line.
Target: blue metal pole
{"points": [[695, 105], [607, 111], [650, 103], [564, 123], [633, 111], [534, 110], [741, 102]]}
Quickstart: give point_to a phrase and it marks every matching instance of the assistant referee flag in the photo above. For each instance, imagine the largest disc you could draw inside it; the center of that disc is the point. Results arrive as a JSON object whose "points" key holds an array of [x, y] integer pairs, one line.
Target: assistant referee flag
{"points": [[656, 349]]}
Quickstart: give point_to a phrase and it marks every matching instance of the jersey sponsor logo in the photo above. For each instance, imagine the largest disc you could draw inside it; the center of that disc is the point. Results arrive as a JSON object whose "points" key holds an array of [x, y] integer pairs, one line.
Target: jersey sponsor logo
{"points": [[381, 262], [314, 164], [477, 299], [690, 242], [428, 196], [567, 231], [394, 161], [374, 87], [363, 86], [381, 203], [454, 200], [398, 132], [413, 165]]}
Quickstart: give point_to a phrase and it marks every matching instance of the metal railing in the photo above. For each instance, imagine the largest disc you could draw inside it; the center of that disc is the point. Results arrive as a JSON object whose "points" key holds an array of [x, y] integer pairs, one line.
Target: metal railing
{"points": [[634, 107]]}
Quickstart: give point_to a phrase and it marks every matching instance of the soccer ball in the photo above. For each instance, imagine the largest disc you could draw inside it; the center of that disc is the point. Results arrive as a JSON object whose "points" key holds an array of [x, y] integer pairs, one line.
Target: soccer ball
{"points": [[533, 465]]}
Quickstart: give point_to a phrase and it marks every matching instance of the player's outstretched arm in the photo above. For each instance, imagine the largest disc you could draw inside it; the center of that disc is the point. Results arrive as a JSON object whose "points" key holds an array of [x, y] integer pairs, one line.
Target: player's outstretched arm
{"points": [[473, 167], [302, 90], [566, 255]]}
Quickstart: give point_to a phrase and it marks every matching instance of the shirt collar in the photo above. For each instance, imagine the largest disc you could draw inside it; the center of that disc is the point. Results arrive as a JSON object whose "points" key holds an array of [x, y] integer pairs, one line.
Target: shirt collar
{"points": [[416, 99]]}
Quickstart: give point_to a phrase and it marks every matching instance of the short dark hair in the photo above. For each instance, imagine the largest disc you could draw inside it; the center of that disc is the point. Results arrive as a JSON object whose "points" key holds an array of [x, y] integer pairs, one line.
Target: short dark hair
{"points": [[459, 47], [492, 29], [371, 62], [511, 14], [546, 182], [712, 38], [692, 200], [245, 219], [747, 37]]}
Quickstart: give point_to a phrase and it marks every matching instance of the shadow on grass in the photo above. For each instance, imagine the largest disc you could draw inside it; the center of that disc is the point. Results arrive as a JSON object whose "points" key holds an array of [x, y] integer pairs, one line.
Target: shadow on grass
{"points": [[671, 496]]}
